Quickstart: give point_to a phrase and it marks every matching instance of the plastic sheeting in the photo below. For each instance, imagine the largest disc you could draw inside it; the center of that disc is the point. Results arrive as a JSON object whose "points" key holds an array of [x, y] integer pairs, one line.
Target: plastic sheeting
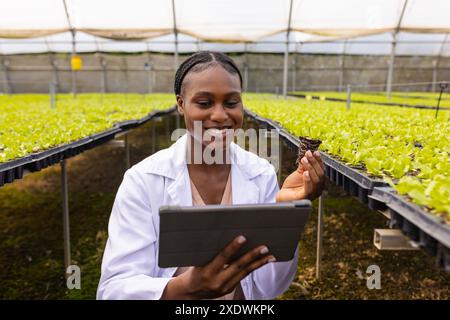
{"points": [[29, 26]]}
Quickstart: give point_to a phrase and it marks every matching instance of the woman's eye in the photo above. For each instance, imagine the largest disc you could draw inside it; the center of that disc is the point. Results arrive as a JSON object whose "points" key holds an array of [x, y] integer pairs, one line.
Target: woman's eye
{"points": [[204, 103], [231, 103]]}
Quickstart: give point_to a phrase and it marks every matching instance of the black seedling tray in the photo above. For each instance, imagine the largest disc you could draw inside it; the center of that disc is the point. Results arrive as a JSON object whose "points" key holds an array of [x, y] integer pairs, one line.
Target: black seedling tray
{"points": [[355, 182], [432, 233], [102, 137], [11, 170], [43, 159], [76, 147], [158, 113], [127, 125]]}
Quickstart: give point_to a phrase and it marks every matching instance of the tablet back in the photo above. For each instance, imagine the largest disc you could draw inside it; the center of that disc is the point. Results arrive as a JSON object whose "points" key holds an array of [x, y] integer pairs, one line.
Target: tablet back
{"points": [[193, 236]]}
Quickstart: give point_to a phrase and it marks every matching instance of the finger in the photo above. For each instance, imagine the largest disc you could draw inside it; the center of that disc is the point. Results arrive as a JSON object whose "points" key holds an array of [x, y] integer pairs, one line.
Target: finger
{"points": [[227, 253], [241, 267], [246, 259], [315, 164], [319, 158], [312, 171], [249, 269], [308, 186]]}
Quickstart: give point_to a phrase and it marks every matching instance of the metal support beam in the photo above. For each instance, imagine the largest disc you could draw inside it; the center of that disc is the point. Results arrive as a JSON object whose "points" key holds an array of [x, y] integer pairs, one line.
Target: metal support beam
{"points": [[104, 82], [125, 70], [175, 32], [349, 96], [52, 91], [436, 64], [53, 64], [246, 67], [390, 75], [149, 69], [103, 65], [342, 66], [73, 33], [319, 249], [294, 70], [286, 53], [7, 86], [66, 223]]}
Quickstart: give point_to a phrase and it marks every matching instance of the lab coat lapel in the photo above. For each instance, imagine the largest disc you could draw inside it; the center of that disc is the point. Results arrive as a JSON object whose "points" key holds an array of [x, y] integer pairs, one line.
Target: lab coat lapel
{"points": [[179, 189], [244, 189]]}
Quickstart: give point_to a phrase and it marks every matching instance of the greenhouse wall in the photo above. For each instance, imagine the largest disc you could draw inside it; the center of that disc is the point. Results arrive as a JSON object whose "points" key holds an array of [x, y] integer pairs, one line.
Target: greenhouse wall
{"points": [[129, 72]]}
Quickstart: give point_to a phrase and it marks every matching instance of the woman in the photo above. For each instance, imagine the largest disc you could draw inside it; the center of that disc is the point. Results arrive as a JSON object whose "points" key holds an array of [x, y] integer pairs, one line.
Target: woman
{"points": [[208, 89]]}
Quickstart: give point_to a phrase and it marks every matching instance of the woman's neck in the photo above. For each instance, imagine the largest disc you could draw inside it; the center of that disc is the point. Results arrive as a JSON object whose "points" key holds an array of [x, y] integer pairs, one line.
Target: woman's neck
{"points": [[201, 157]]}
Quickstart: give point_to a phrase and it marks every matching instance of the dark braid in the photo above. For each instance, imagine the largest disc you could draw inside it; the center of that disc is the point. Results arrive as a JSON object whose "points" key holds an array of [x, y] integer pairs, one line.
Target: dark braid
{"points": [[201, 61]]}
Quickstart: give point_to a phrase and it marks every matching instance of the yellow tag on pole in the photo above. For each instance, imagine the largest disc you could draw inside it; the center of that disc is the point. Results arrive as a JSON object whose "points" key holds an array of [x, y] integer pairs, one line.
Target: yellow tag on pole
{"points": [[76, 62]]}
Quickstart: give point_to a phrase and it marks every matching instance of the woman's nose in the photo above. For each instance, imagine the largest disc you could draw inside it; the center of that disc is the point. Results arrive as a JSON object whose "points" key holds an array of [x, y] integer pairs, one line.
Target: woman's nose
{"points": [[219, 114]]}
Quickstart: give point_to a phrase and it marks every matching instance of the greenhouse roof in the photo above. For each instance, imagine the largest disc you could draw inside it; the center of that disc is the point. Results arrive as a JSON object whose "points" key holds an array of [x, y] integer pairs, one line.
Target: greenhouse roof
{"points": [[312, 26]]}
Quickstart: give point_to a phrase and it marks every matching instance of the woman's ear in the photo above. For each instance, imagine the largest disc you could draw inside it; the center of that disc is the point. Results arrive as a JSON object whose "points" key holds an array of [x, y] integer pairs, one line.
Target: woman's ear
{"points": [[180, 104]]}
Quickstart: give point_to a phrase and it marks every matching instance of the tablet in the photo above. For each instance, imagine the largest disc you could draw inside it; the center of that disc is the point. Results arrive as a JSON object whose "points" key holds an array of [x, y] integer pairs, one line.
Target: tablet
{"points": [[193, 236]]}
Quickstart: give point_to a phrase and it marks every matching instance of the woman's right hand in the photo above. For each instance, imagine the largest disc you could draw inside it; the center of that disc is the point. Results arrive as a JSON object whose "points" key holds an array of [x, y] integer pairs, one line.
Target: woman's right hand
{"points": [[220, 276]]}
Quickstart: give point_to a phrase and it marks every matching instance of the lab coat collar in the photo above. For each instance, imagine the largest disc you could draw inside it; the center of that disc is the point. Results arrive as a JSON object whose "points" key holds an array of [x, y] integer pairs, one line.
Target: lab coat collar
{"points": [[171, 163]]}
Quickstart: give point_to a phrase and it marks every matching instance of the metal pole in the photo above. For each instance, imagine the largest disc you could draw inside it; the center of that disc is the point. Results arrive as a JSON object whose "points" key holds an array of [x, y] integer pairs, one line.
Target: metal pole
{"points": [[349, 96], [392, 56], [175, 61], [72, 32], [6, 83], [125, 69], [104, 81], [66, 225], [52, 88], [443, 86], [286, 53], [294, 70], [74, 74], [127, 152], [104, 75], [342, 65], [436, 64], [319, 236], [53, 64], [434, 76], [285, 69], [149, 69], [391, 69]]}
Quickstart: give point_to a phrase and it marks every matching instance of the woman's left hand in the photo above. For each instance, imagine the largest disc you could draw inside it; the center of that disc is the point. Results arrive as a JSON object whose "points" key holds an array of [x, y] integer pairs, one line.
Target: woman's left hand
{"points": [[307, 182]]}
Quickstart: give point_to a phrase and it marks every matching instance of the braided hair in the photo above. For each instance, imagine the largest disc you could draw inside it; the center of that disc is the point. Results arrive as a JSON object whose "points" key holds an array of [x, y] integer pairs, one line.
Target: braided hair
{"points": [[203, 60]]}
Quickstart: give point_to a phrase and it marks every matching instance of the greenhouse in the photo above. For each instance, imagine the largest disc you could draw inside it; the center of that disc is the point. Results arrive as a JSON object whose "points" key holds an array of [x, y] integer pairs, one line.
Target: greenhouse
{"points": [[343, 105]]}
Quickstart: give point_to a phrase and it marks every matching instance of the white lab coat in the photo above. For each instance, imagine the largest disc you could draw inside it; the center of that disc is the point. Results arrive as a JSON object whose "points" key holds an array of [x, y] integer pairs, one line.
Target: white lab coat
{"points": [[130, 268]]}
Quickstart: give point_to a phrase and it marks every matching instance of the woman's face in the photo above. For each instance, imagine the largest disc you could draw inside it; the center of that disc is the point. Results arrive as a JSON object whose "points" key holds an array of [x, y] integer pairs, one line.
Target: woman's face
{"points": [[213, 97]]}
